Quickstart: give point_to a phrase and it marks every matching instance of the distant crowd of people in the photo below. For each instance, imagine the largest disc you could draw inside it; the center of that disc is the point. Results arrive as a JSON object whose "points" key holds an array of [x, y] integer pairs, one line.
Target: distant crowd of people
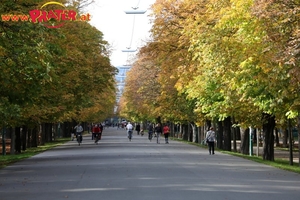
{"points": [[154, 130]]}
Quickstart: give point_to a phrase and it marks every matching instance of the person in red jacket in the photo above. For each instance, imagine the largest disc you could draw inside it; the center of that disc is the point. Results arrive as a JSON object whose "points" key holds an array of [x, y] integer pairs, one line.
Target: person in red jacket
{"points": [[166, 132], [96, 133]]}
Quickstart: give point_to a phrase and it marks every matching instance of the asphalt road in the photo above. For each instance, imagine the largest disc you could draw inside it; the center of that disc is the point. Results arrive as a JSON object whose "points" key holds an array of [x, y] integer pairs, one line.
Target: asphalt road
{"points": [[117, 169]]}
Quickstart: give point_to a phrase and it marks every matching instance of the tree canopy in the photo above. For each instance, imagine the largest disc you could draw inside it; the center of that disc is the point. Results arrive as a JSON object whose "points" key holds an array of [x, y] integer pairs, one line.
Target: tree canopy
{"points": [[53, 75]]}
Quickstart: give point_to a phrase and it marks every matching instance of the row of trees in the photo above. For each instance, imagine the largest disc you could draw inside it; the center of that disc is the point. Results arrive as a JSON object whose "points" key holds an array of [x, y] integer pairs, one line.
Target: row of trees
{"points": [[52, 75], [233, 63]]}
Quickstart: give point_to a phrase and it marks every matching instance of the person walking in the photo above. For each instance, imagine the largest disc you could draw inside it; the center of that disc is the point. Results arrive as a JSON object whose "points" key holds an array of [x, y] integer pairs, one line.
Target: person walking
{"points": [[158, 130], [166, 132], [210, 140], [72, 134], [150, 131], [138, 128]]}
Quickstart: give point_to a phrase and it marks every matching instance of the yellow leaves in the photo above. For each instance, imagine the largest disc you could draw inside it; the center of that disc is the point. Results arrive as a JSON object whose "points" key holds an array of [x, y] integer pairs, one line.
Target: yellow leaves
{"points": [[212, 56]]}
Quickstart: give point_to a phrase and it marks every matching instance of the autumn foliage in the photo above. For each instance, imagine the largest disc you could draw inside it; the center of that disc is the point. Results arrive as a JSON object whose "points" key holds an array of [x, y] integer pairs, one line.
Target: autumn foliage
{"points": [[216, 60], [53, 75]]}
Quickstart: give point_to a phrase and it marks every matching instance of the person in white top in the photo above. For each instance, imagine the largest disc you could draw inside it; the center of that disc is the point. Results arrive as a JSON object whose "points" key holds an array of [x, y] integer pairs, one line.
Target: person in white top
{"points": [[129, 129], [210, 139], [78, 128], [79, 131]]}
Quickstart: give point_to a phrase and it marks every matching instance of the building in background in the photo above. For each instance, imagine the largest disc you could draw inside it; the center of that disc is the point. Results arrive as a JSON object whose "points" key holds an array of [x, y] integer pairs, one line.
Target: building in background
{"points": [[120, 80]]}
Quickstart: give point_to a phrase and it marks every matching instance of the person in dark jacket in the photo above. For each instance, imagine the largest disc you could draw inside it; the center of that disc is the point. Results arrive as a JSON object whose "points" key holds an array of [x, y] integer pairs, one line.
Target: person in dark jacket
{"points": [[210, 139], [150, 131], [158, 130], [138, 128]]}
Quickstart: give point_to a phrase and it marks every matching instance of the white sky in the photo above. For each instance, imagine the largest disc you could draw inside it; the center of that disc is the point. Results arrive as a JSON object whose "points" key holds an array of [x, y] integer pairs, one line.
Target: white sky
{"points": [[109, 17]]}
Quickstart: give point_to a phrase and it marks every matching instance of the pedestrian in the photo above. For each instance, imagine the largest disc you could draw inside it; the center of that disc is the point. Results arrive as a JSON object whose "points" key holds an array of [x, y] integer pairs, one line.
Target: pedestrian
{"points": [[166, 132], [101, 130], [158, 130], [150, 131], [72, 134], [210, 140], [93, 126], [138, 128]]}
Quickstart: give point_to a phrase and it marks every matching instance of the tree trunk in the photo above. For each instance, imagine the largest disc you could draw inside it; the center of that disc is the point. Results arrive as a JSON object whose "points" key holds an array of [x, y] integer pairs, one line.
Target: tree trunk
{"points": [[13, 141], [290, 142], [194, 133], [55, 131], [234, 139], [34, 136], [66, 129], [48, 132], [184, 132], [208, 125], [237, 133], [298, 126], [189, 132], [268, 131], [179, 131], [29, 137], [285, 138], [18, 139], [233, 131], [43, 135], [277, 137], [244, 140], [24, 137], [200, 139], [227, 134], [220, 135]]}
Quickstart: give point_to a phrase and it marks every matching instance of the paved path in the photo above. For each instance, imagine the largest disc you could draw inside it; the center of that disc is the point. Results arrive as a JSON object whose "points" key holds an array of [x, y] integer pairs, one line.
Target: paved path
{"points": [[117, 169]]}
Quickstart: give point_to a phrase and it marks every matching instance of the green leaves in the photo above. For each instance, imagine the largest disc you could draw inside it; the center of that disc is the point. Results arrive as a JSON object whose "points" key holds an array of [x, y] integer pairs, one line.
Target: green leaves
{"points": [[225, 58], [52, 75]]}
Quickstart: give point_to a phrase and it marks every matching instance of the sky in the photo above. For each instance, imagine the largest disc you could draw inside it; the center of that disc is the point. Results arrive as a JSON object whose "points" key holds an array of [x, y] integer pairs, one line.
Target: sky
{"points": [[119, 28]]}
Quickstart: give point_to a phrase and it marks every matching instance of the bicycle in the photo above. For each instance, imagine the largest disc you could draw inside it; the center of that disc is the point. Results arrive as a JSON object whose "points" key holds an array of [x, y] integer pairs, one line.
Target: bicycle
{"points": [[150, 136], [97, 137], [79, 138], [129, 135]]}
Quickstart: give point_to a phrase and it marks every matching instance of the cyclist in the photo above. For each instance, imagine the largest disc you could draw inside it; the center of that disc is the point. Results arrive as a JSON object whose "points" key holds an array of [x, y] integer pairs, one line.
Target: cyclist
{"points": [[96, 133], [129, 128], [79, 131]]}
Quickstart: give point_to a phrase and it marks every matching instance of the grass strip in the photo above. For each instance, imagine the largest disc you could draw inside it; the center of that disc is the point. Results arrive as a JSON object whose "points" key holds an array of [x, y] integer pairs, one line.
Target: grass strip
{"points": [[278, 163], [9, 159]]}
